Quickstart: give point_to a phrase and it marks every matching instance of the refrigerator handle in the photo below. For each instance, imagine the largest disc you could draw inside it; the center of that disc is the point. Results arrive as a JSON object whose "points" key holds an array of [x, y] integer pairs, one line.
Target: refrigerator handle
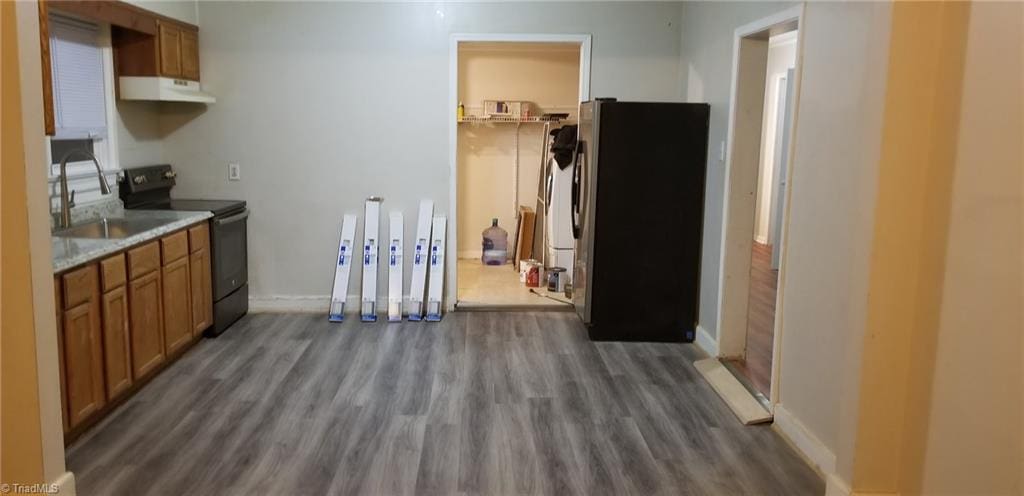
{"points": [[577, 187]]}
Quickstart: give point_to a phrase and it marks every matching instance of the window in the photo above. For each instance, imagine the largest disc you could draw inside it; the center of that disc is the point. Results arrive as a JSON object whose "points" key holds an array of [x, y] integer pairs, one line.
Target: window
{"points": [[82, 69]]}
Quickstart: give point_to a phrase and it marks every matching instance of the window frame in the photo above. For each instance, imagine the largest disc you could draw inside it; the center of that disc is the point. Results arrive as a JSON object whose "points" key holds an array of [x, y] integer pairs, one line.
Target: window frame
{"points": [[105, 149]]}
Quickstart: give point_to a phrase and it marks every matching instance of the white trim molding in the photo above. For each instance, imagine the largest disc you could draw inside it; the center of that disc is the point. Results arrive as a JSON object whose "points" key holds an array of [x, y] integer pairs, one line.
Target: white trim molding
{"points": [[806, 443], [258, 304], [734, 262], [64, 485], [308, 304], [836, 486], [705, 342]]}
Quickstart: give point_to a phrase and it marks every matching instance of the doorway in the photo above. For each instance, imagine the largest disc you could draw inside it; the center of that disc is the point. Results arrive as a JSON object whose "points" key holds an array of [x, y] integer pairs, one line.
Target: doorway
{"points": [[510, 93], [765, 91]]}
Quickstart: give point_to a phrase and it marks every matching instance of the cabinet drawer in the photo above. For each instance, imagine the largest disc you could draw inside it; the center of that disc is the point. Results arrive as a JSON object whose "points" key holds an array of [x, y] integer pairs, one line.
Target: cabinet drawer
{"points": [[80, 286], [112, 272], [198, 237], [143, 260], [175, 246]]}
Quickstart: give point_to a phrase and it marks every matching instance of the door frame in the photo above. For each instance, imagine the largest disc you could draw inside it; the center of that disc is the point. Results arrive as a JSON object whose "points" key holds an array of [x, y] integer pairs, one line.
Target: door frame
{"points": [[452, 245], [739, 199]]}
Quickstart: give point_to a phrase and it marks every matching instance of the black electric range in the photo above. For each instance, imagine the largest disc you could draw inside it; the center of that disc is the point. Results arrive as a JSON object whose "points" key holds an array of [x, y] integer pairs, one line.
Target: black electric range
{"points": [[149, 188]]}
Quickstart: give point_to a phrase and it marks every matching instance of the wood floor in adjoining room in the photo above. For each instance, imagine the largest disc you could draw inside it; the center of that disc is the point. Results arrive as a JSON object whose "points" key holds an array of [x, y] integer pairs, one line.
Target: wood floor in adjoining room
{"points": [[757, 365], [480, 403]]}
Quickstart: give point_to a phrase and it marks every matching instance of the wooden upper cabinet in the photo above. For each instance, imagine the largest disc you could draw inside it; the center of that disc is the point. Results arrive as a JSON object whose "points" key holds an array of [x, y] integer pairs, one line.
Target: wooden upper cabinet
{"points": [[190, 54], [145, 43], [170, 50], [83, 344]]}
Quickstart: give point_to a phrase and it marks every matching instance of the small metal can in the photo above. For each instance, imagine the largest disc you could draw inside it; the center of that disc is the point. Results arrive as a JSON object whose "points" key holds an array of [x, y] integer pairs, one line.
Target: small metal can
{"points": [[556, 279]]}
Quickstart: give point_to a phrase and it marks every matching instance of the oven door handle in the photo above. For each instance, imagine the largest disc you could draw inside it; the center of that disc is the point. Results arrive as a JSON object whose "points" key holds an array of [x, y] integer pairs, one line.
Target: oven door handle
{"points": [[232, 219]]}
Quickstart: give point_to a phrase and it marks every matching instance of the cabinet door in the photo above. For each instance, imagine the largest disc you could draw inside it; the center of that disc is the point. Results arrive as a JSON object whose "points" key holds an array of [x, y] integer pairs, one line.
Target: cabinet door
{"points": [[190, 55], [59, 305], [202, 292], [145, 325], [170, 50], [116, 347], [83, 356], [177, 305]]}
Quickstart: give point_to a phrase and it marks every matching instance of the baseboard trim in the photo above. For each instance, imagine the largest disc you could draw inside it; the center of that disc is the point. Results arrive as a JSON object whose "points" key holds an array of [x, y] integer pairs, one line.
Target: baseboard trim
{"points": [[64, 485], [312, 304], [474, 254], [706, 343], [816, 453], [836, 486], [258, 304]]}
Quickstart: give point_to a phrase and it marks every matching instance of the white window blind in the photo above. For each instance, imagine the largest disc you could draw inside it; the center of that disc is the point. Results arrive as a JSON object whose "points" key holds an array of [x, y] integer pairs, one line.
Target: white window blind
{"points": [[78, 92]]}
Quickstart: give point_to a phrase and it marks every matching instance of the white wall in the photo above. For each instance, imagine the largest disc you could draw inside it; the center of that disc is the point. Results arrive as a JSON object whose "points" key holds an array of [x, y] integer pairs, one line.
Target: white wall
{"points": [[324, 104], [781, 57], [974, 428], [546, 75], [833, 187], [182, 10]]}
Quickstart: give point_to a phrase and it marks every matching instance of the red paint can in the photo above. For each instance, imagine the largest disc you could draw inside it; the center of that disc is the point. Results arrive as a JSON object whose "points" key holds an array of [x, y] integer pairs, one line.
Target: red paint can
{"points": [[533, 276]]}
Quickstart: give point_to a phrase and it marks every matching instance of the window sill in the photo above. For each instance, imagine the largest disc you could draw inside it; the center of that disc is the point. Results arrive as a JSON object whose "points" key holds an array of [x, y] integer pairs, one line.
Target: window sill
{"points": [[53, 179]]}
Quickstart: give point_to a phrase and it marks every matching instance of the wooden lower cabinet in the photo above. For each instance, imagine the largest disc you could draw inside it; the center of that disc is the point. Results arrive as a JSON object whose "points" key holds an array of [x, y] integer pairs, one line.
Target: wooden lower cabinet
{"points": [[202, 291], [120, 319], [83, 345], [116, 346], [146, 323], [177, 305], [59, 306]]}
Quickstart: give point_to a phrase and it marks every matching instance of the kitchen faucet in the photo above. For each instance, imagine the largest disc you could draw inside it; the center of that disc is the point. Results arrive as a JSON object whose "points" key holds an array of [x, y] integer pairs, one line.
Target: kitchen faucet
{"points": [[65, 202]]}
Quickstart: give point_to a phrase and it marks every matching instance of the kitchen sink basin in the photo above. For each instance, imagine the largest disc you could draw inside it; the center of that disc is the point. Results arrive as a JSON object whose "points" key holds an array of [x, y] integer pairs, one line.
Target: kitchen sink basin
{"points": [[109, 228]]}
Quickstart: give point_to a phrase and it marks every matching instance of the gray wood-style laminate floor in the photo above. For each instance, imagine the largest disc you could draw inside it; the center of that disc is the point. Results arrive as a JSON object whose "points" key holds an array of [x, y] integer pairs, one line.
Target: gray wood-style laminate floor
{"points": [[480, 403]]}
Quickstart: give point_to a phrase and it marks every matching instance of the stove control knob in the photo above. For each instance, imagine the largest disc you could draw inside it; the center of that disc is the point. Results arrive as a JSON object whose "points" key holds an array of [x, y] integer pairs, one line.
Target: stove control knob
{"points": [[170, 174], [139, 179]]}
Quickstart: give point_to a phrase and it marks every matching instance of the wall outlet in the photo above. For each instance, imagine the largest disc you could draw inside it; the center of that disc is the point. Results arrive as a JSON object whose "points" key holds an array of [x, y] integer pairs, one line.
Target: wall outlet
{"points": [[234, 172]]}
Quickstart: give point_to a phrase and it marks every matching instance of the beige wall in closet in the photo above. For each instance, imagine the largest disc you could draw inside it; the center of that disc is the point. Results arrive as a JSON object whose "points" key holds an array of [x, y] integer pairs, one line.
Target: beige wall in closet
{"points": [[546, 74]]}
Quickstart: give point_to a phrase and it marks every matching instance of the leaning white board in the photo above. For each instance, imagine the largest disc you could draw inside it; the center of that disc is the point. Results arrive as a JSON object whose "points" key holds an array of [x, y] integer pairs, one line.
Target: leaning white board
{"points": [[419, 260], [395, 248], [371, 237], [435, 292], [342, 269]]}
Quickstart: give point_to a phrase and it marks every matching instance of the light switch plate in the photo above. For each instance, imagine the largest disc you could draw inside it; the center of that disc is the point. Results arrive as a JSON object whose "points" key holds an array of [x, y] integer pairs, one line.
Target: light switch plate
{"points": [[234, 172], [721, 151]]}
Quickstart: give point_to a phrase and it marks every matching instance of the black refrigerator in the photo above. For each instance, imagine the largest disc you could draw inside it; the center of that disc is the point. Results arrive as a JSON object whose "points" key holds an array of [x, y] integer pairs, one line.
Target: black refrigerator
{"points": [[638, 215]]}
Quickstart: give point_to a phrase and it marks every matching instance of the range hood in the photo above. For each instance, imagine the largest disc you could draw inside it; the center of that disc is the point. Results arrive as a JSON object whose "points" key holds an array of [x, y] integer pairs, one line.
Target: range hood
{"points": [[163, 90]]}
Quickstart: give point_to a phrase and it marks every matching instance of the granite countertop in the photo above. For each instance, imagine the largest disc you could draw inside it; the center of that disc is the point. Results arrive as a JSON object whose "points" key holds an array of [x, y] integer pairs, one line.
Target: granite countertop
{"points": [[71, 252]]}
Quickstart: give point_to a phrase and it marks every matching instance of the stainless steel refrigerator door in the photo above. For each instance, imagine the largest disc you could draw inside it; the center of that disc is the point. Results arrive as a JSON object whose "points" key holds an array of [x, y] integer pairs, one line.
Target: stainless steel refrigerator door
{"points": [[585, 182]]}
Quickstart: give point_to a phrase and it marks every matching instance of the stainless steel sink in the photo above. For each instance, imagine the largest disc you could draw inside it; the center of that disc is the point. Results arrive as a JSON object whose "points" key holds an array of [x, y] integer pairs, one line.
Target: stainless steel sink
{"points": [[109, 228]]}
